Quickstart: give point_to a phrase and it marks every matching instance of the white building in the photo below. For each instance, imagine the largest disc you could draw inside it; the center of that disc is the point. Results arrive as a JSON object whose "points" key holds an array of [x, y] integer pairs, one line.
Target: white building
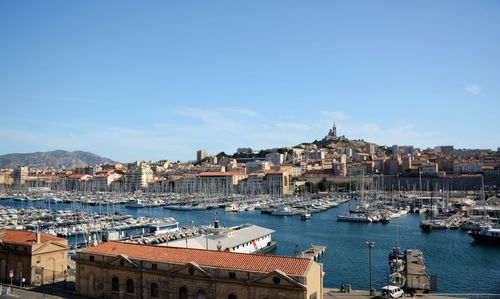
{"points": [[138, 177], [242, 239], [102, 181]]}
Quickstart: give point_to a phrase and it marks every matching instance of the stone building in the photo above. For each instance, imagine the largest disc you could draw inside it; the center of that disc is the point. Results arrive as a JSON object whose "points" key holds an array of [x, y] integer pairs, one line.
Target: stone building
{"points": [[126, 270], [34, 256], [278, 182]]}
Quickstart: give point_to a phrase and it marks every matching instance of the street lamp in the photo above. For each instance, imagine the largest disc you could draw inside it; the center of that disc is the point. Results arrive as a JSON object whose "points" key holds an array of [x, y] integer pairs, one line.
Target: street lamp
{"points": [[370, 246]]}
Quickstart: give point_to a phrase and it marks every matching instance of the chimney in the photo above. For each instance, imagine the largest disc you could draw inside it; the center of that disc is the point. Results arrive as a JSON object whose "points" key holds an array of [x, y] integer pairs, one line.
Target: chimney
{"points": [[38, 237]]}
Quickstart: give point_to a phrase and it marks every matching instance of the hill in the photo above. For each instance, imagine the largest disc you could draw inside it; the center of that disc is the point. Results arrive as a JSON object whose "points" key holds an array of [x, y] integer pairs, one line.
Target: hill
{"points": [[56, 159]]}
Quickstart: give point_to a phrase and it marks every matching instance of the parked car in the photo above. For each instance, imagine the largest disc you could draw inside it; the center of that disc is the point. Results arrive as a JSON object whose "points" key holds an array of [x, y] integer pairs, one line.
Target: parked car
{"points": [[392, 291]]}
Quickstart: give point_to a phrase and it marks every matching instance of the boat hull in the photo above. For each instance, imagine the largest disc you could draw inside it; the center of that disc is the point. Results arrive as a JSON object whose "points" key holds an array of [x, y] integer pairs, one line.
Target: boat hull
{"points": [[486, 238], [271, 246]]}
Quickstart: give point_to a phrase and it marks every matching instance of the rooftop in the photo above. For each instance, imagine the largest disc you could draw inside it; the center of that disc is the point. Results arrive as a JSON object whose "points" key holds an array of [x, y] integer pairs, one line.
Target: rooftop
{"points": [[214, 173], [208, 258], [229, 237], [24, 237]]}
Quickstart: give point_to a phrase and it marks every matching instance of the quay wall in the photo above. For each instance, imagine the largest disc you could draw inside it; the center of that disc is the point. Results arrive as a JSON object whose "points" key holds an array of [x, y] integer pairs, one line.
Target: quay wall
{"points": [[453, 183], [413, 183]]}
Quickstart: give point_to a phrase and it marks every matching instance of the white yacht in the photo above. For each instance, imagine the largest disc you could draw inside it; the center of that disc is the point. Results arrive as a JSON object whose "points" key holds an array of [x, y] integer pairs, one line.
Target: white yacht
{"points": [[283, 211]]}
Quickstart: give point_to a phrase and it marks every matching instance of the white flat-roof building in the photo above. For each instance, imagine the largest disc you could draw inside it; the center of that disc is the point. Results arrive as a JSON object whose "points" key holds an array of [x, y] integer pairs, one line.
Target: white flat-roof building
{"points": [[247, 238]]}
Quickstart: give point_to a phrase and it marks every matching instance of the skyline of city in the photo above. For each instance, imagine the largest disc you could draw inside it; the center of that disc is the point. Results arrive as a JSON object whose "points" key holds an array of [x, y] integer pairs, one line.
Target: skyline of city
{"points": [[175, 78], [241, 150]]}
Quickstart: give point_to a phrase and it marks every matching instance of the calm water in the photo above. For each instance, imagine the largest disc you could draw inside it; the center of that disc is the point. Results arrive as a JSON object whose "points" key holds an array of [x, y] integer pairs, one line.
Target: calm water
{"points": [[461, 265]]}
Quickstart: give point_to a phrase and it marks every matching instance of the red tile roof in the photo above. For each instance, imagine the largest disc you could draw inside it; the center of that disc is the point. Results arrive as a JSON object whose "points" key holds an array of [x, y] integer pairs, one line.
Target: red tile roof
{"points": [[77, 176], [214, 173], [209, 258], [24, 237]]}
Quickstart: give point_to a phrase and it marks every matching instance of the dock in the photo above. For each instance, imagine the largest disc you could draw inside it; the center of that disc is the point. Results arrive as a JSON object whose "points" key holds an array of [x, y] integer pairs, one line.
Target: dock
{"points": [[314, 252], [417, 278]]}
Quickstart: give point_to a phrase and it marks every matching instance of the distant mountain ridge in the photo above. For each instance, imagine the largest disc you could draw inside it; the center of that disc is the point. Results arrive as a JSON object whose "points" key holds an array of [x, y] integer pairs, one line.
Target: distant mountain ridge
{"points": [[56, 159]]}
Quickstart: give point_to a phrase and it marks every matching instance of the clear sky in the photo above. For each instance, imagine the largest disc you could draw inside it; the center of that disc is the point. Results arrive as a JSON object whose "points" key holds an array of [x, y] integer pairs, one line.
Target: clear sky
{"points": [[160, 79]]}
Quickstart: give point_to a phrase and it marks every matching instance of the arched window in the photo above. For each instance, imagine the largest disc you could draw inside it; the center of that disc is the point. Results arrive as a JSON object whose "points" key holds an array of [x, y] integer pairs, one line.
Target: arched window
{"points": [[183, 293], [154, 290], [115, 284], [201, 294], [232, 296], [130, 286]]}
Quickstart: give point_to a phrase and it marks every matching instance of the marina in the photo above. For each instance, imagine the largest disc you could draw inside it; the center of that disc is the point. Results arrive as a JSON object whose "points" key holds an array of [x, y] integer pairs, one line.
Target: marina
{"points": [[346, 259]]}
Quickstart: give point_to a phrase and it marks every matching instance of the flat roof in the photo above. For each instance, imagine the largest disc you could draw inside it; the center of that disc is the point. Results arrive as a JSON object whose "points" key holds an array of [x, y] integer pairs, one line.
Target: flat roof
{"points": [[227, 237]]}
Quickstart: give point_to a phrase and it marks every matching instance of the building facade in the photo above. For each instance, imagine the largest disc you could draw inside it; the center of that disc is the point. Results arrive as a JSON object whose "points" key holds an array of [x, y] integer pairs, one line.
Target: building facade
{"points": [[219, 182], [138, 177], [20, 175], [124, 270], [34, 256], [201, 154], [278, 183]]}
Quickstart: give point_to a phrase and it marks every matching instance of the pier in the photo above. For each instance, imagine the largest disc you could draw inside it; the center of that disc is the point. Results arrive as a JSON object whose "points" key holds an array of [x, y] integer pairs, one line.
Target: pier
{"points": [[417, 278], [314, 252]]}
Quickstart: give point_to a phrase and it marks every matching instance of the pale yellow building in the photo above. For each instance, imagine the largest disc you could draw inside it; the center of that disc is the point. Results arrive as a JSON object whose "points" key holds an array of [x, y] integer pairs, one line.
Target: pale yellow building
{"points": [[126, 270], [33, 256]]}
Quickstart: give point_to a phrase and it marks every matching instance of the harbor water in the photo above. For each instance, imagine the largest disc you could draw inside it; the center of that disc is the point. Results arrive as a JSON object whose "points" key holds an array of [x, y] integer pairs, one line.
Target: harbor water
{"points": [[459, 264]]}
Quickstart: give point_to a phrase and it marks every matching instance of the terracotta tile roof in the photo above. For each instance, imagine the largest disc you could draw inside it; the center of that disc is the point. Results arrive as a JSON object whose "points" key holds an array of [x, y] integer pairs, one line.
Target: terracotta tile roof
{"points": [[209, 258], [24, 237], [77, 176], [213, 173]]}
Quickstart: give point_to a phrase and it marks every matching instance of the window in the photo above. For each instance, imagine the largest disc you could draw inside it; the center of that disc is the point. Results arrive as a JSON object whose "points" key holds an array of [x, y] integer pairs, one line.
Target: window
{"points": [[232, 275], [122, 262], [313, 296], [183, 293], [154, 290], [91, 258], [130, 286], [232, 296], [115, 284], [276, 280], [191, 271], [154, 266]]}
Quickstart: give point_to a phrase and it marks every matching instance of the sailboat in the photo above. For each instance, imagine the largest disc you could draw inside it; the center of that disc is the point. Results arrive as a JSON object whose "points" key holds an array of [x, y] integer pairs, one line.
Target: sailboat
{"points": [[354, 216]]}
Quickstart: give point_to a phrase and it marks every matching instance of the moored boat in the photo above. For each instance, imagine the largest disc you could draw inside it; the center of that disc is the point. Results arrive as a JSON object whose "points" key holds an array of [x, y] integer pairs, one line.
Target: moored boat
{"points": [[486, 234], [305, 216], [283, 211]]}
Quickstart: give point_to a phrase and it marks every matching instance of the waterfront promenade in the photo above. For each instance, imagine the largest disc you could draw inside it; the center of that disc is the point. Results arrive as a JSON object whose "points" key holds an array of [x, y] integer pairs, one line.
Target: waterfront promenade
{"points": [[59, 293]]}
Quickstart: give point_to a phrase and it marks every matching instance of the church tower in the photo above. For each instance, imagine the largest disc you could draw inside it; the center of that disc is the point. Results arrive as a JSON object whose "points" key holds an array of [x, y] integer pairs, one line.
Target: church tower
{"points": [[332, 134]]}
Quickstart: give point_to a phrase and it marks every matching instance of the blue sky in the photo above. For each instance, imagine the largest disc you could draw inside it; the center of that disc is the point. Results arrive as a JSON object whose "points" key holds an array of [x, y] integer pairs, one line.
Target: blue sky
{"points": [[160, 79]]}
